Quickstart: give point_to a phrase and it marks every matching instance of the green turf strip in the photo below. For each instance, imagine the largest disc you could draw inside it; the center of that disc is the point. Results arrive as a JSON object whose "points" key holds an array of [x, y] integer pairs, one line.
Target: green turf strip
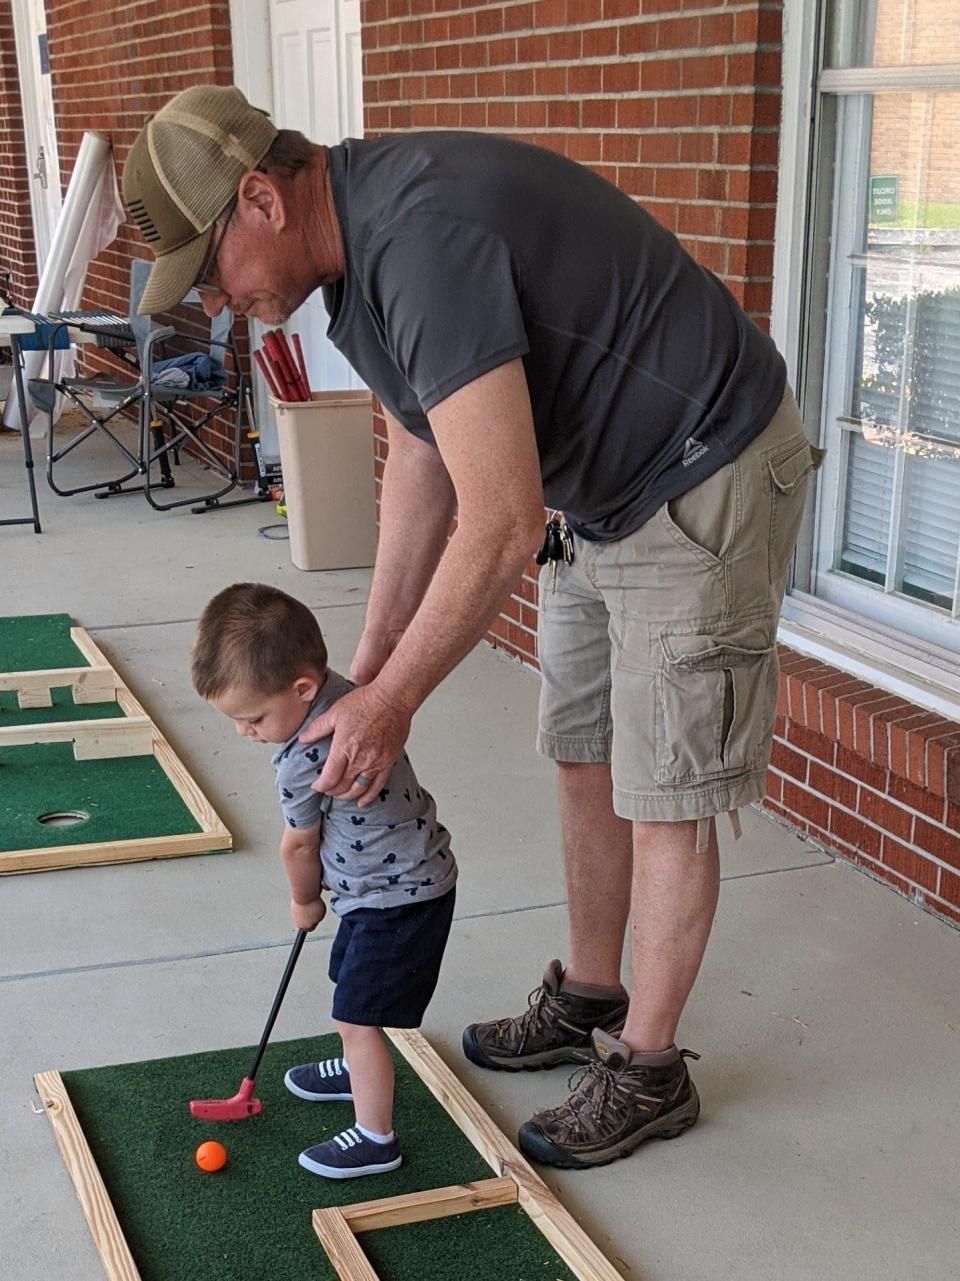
{"points": [[126, 798], [251, 1221], [62, 708], [36, 642]]}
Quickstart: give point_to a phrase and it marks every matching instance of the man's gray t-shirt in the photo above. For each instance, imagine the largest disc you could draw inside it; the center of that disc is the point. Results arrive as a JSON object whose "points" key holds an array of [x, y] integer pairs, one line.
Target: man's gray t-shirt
{"points": [[464, 251], [391, 852]]}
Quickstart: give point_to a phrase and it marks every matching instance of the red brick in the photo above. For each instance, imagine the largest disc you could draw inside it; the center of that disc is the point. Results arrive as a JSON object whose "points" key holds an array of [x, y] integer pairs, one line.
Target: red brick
{"points": [[857, 767], [917, 741], [835, 787], [863, 714], [937, 840], [814, 684], [808, 806], [950, 914], [806, 740], [910, 864], [830, 696], [950, 887], [937, 757], [854, 833], [884, 814], [773, 785], [899, 745], [788, 761], [916, 798], [847, 707]]}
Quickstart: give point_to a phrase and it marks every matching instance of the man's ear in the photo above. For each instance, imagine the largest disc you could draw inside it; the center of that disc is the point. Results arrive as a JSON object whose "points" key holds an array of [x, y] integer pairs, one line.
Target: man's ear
{"points": [[259, 194], [306, 688]]}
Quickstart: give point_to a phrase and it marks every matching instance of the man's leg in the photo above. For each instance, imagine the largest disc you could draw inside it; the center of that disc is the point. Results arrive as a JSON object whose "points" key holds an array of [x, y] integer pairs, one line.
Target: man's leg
{"points": [[558, 1023], [673, 903], [597, 856]]}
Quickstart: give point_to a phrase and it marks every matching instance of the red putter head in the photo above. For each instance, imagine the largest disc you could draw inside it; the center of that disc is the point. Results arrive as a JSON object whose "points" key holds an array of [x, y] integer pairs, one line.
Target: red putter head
{"points": [[243, 1104]]}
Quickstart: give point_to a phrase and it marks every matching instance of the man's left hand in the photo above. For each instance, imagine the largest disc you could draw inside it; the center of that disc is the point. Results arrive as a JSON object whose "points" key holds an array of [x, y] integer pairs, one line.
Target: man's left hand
{"points": [[368, 737]]}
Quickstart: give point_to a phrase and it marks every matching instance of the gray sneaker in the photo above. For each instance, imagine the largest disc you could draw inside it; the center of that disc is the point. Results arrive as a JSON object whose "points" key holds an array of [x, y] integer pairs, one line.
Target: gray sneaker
{"points": [[350, 1155], [615, 1105], [324, 1082], [555, 1028]]}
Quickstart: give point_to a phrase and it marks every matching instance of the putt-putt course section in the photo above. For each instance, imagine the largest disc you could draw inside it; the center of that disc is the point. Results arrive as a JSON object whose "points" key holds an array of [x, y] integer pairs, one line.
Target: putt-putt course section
{"points": [[85, 775], [128, 1141]]}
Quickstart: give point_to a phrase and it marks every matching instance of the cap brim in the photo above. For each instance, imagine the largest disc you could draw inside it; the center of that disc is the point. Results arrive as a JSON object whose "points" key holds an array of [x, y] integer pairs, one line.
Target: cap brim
{"points": [[172, 276]]}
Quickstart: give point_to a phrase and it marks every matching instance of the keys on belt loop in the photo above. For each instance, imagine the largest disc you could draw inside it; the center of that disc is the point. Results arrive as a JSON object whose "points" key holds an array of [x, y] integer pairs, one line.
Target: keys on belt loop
{"points": [[557, 546]]}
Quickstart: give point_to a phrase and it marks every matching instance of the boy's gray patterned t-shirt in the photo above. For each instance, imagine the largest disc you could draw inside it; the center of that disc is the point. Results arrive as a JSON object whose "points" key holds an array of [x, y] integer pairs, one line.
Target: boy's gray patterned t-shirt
{"points": [[392, 852]]}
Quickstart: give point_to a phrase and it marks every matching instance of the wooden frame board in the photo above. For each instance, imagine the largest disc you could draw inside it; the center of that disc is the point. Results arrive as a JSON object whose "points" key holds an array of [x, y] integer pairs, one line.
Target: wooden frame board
{"points": [[132, 734], [514, 1182]]}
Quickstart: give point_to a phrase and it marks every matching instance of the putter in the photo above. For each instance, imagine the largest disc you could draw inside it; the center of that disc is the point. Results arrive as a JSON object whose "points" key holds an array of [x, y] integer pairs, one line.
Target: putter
{"points": [[243, 1103]]}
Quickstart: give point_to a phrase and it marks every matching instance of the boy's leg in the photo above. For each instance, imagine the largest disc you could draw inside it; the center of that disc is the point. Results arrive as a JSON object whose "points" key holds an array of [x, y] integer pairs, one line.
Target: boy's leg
{"points": [[371, 1076]]}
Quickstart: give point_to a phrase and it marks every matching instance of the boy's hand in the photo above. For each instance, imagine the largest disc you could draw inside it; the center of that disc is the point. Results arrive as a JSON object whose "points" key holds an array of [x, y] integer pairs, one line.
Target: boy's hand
{"points": [[307, 916]]}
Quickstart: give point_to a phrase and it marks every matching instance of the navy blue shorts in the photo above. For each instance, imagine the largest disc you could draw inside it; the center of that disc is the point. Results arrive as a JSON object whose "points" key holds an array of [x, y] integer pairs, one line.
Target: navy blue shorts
{"points": [[386, 961]]}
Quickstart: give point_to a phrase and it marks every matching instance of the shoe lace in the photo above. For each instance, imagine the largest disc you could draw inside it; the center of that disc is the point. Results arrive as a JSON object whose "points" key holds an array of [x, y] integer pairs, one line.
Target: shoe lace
{"points": [[591, 1090], [534, 1016], [530, 1020]]}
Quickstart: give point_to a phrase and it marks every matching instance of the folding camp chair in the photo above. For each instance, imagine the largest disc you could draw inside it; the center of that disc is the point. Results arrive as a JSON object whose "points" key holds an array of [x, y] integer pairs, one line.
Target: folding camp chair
{"points": [[170, 418]]}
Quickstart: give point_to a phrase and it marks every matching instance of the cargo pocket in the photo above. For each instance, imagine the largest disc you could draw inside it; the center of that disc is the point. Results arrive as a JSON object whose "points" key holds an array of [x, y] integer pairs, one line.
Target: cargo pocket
{"points": [[788, 477], [716, 698]]}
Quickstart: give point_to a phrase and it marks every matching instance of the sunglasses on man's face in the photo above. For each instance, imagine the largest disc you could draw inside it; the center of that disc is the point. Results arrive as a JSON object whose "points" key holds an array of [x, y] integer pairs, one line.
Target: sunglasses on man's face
{"points": [[203, 284]]}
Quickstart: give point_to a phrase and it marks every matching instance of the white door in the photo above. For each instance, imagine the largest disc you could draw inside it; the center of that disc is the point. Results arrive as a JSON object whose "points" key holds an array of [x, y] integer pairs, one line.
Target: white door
{"points": [[30, 30], [318, 89]]}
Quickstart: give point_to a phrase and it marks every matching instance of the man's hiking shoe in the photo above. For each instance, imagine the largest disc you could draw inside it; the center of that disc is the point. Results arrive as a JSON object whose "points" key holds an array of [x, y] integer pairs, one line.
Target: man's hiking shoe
{"points": [[320, 1082], [615, 1105], [554, 1028], [350, 1155]]}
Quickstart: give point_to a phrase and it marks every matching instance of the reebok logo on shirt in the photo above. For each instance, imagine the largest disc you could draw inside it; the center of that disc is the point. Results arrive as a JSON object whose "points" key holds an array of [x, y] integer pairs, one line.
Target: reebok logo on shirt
{"points": [[693, 450]]}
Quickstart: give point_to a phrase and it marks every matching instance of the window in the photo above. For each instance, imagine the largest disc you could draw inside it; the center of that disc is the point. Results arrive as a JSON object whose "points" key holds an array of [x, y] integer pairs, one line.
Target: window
{"points": [[881, 356]]}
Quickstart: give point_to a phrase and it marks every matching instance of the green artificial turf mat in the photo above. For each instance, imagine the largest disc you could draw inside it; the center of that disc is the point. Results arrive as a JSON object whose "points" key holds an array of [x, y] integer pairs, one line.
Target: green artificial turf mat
{"points": [[252, 1220], [36, 642], [126, 797]]}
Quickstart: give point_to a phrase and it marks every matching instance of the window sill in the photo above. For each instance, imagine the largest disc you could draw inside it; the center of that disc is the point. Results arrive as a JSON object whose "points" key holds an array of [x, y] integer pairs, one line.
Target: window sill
{"points": [[923, 673]]}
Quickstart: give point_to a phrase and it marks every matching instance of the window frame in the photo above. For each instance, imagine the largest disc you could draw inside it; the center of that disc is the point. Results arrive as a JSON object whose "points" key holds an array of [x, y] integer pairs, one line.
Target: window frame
{"points": [[828, 627]]}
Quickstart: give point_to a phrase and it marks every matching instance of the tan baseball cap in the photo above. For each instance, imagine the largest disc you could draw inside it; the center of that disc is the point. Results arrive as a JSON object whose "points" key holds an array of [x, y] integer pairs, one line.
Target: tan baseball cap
{"points": [[182, 172]]}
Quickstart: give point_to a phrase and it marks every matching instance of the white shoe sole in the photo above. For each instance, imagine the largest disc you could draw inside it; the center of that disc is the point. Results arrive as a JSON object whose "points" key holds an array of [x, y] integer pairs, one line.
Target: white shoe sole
{"points": [[315, 1098], [339, 1172]]}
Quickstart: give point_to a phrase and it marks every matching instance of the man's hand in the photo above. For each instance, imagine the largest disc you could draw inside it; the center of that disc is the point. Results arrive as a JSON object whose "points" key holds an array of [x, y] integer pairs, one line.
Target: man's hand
{"points": [[368, 736], [372, 652], [307, 916]]}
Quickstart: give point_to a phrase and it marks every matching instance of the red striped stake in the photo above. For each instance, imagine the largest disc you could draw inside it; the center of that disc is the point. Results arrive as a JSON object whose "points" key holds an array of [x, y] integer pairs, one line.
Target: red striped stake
{"points": [[302, 364], [261, 360]]}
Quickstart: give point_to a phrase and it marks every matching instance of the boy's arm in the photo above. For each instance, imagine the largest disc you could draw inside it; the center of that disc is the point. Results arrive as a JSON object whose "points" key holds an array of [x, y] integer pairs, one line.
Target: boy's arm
{"points": [[300, 853]]}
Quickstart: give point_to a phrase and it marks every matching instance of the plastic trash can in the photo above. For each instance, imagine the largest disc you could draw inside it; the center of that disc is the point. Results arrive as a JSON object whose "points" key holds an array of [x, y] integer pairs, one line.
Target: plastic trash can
{"points": [[326, 454]]}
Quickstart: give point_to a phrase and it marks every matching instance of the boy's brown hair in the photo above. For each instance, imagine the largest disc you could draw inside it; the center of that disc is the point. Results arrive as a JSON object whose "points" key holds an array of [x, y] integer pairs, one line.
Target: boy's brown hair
{"points": [[255, 638]]}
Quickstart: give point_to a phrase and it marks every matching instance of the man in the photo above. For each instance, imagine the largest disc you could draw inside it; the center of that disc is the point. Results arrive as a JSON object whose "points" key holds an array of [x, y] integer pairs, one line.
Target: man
{"points": [[534, 336]]}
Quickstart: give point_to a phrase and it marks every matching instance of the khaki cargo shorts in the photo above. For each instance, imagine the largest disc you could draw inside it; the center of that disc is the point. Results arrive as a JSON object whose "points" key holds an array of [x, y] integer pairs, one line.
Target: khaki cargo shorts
{"points": [[658, 652]]}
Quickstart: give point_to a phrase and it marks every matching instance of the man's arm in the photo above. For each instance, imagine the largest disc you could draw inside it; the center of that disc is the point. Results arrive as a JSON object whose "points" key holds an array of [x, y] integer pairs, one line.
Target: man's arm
{"points": [[486, 438], [417, 505], [300, 853]]}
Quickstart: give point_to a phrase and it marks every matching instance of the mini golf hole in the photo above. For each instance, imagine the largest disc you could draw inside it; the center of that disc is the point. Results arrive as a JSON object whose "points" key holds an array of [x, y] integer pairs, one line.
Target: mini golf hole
{"points": [[63, 818]]}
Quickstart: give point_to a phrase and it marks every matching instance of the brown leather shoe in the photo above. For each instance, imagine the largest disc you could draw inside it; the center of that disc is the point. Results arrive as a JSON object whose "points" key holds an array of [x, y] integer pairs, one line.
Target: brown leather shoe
{"points": [[615, 1105], [555, 1028]]}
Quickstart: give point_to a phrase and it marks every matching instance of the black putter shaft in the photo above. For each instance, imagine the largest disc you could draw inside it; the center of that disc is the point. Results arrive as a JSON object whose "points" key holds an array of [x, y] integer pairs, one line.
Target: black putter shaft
{"points": [[278, 1001]]}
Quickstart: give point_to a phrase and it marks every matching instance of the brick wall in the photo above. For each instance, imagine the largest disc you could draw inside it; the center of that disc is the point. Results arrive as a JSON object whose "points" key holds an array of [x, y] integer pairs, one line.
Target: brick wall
{"points": [[112, 65], [677, 103], [873, 778], [18, 274]]}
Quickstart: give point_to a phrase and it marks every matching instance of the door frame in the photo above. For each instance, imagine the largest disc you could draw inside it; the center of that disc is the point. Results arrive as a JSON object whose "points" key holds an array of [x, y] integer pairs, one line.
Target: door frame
{"points": [[41, 208]]}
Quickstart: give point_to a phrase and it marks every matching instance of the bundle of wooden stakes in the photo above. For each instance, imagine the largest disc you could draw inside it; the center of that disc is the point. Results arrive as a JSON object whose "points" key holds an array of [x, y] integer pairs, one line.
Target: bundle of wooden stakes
{"points": [[286, 375]]}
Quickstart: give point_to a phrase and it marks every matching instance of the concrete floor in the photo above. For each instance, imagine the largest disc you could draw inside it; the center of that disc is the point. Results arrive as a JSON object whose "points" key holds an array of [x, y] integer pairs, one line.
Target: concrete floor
{"points": [[826, 1013]]}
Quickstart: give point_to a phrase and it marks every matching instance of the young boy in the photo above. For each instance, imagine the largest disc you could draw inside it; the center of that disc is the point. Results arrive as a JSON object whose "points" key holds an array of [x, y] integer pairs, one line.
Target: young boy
{"points": [[259, 658]]}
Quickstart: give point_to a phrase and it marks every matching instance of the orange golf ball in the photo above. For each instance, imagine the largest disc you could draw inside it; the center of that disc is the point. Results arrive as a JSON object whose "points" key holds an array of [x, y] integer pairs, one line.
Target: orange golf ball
{"points": [[211, 1156]]}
